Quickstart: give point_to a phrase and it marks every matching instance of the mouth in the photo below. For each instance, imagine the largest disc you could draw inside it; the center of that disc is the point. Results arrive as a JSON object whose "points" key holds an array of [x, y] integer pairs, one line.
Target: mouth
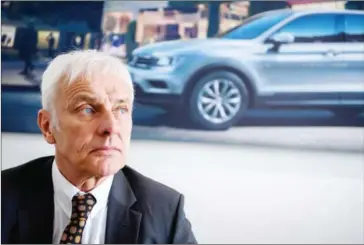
{"points": [[106, 150]]}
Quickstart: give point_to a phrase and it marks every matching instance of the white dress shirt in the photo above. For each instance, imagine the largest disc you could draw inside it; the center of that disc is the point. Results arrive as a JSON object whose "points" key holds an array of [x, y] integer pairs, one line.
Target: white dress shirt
{"points": [[94, 232]]}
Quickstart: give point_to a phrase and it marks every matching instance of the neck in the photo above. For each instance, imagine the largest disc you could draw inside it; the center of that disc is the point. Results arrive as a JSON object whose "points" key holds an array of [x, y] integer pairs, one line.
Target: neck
{"points": [[83, 181]]}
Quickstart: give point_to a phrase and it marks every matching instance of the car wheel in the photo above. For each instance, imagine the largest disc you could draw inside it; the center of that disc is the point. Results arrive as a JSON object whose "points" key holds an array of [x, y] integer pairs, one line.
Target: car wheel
{"points": [[347, 112], [218, 100]]}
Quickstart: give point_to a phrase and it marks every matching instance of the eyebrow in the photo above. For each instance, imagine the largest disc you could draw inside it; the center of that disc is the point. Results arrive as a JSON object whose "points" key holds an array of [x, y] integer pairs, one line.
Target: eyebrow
{"points": [[92, 99], [82, 97], [122, 101]]}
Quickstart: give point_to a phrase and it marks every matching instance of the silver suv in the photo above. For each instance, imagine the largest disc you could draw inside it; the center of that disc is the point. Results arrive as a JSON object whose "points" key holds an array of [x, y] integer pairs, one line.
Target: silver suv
{"points": [[285, 58]]}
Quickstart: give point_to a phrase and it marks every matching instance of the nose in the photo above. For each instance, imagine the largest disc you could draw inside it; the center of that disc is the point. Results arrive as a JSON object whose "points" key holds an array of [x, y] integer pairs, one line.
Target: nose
{"points": [[109, 125]]}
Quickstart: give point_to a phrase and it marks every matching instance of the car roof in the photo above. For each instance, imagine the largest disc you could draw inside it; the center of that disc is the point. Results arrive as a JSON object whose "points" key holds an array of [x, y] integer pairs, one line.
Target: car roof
{"points": [[334, 11], [313, 11]]}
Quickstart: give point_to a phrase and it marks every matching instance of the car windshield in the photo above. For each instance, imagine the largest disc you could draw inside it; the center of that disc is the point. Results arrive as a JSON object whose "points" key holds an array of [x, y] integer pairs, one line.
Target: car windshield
{"points": [[254, 26]]}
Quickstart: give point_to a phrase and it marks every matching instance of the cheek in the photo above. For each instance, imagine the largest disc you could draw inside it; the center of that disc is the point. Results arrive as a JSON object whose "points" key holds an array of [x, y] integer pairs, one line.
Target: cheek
{"points": [[76, 137], [126, 126], [84, 134], [126, 129]]}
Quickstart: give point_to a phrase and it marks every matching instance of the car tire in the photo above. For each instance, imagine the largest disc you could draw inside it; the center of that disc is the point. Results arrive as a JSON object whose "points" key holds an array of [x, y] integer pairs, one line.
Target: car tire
{"points": [[204, 102]]}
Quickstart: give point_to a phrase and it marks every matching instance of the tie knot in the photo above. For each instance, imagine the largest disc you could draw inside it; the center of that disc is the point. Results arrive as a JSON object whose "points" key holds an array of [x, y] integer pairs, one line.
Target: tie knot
{"points": [[82, 205]]}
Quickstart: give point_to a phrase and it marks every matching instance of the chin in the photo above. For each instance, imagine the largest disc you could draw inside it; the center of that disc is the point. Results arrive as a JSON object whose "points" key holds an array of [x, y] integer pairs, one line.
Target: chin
{"points": [[109, 166]]}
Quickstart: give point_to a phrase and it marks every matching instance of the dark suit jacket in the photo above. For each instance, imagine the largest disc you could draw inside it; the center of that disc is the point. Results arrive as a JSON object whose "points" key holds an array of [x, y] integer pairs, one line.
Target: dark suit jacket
{"points": [[140, 210]]}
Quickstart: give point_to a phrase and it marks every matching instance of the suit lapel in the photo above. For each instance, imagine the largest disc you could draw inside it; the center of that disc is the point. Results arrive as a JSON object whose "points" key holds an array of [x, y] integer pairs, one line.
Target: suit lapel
{"points": [[123, 223], [36, 214], [37, 210]]}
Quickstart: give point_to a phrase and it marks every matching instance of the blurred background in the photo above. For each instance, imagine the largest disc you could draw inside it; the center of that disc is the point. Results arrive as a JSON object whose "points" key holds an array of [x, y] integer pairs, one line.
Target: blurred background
{"points": [[255, 116]]}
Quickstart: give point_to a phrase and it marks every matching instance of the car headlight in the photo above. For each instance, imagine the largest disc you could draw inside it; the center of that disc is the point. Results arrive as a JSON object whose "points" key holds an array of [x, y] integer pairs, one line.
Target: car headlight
{"points": [[164, 61]]}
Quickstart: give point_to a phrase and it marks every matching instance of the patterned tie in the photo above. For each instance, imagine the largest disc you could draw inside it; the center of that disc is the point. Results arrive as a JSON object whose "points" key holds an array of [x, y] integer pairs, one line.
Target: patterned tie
{"points": [[81, 209]]}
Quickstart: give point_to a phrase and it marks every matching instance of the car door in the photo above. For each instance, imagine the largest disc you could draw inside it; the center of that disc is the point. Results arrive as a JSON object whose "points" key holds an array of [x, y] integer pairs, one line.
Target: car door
{"points": [[352, 57], [308, 70]]}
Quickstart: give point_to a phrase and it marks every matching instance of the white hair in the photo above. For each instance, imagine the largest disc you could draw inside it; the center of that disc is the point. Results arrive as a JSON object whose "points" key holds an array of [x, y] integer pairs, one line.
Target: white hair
{"points": [[70, 67]]}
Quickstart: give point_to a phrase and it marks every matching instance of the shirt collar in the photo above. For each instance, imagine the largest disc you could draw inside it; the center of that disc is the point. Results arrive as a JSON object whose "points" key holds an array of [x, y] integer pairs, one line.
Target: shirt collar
{"points": [[64, 192]]}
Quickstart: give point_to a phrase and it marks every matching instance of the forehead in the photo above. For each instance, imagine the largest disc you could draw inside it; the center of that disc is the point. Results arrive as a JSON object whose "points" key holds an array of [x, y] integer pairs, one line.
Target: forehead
{"points": [[99, 85]]}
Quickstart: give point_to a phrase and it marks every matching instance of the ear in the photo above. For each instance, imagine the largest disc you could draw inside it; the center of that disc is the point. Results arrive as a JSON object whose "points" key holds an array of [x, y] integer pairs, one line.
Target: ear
{"points": [[44, 124]]}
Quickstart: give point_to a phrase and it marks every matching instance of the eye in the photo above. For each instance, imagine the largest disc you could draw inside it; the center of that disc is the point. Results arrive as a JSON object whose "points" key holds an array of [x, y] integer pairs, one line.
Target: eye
{"points": [[123, 110], [88, 110]]}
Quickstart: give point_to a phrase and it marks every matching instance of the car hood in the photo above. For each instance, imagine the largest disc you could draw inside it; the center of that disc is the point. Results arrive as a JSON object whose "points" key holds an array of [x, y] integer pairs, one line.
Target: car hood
{"points": [[193, 46]]}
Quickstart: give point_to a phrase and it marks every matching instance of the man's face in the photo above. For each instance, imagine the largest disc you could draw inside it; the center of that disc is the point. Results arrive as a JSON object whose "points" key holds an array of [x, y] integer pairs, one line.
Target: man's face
{"points": [[95, 122]]}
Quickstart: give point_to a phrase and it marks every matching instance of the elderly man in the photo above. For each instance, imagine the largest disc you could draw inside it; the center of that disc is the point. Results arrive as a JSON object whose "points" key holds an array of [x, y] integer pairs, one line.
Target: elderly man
{"points": [[85, 193]]}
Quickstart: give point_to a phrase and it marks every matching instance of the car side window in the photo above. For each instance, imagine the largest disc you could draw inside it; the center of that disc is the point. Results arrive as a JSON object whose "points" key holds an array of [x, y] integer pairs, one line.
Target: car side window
{"points": [[354, 28], [320, 28]]}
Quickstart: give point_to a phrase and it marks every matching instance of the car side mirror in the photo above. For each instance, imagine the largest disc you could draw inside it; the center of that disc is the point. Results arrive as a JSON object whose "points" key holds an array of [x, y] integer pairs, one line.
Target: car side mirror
{"points": [[283, 38]]}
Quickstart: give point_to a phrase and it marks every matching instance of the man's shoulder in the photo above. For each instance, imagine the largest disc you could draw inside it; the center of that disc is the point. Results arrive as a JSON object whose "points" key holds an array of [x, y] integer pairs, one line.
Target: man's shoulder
{"points": [[31, 165], [149, 191], [26, 172]]}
